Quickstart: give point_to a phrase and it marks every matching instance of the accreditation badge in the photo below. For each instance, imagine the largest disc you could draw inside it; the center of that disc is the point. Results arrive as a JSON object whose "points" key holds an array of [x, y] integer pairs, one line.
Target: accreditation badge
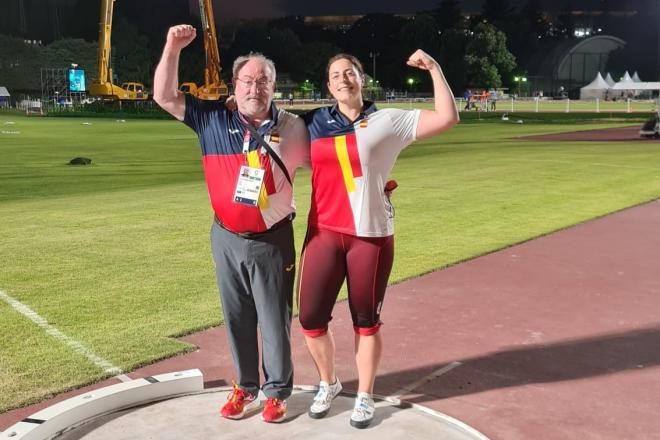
{"points": [[248, 187]]}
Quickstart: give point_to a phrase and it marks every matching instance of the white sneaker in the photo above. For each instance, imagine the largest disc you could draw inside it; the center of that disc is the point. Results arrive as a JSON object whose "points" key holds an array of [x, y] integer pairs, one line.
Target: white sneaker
{"points": [[363, 412], [323, 399]]}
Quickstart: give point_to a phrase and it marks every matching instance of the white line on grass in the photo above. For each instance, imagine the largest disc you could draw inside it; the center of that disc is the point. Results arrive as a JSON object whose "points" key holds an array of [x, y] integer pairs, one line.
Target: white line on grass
{"points": [[396, 397], [75, 345]]}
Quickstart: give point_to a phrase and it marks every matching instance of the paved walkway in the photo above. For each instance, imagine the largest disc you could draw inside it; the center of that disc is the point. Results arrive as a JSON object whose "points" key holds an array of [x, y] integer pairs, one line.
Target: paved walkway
{"points": [[556, 338]]}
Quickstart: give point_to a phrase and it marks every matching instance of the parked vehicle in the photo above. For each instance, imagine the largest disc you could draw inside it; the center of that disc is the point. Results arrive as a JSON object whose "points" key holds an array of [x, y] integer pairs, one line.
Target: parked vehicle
{"points": [[651, 128]]}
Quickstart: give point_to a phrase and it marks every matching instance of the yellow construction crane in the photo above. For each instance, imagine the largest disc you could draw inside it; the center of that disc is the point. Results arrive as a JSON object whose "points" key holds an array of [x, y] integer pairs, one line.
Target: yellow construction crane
{"points": [[103, 86], [214, 87]]}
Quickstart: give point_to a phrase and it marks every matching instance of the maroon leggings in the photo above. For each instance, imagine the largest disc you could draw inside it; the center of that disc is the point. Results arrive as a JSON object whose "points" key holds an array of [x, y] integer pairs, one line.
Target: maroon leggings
{"points": [[329, 257]]}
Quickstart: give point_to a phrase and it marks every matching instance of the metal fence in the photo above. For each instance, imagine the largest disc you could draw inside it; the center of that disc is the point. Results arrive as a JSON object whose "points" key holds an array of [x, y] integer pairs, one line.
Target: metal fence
{"points": [[541, 105]]}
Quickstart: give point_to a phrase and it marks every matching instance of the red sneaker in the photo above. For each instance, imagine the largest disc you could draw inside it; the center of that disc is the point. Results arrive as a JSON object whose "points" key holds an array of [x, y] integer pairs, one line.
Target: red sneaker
{"points": [[238, 403], [274, 411]]}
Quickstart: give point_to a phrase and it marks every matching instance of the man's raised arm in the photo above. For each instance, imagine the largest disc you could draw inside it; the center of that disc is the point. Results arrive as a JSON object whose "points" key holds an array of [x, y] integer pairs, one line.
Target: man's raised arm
{"points": [[166, 78]]}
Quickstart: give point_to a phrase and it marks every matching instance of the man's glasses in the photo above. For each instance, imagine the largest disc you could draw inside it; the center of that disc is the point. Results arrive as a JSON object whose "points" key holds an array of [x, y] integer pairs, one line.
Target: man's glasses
{"points": [[262, 83]]}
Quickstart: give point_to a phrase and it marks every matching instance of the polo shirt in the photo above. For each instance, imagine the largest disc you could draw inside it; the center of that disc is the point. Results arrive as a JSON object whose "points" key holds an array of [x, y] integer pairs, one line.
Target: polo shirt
{"points": [[221, 134], [351, 162]]}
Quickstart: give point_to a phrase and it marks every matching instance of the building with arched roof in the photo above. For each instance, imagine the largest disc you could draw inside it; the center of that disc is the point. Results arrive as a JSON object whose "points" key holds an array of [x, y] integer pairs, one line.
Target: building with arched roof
{"points": [[571, 64]]}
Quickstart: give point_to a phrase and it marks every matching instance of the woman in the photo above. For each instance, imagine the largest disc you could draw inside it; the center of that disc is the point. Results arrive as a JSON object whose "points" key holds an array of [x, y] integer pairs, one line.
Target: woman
{"points": [[350, 229]]}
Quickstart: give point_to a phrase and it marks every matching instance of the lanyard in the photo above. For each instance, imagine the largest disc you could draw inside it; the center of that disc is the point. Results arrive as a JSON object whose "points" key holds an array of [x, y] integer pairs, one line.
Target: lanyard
{"points": [[246, 142], [264, 144], [246, 138]]}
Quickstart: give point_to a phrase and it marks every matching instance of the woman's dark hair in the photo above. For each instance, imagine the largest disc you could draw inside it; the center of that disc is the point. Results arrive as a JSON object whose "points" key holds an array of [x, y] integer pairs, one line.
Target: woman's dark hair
{"points": [[344, 56]]}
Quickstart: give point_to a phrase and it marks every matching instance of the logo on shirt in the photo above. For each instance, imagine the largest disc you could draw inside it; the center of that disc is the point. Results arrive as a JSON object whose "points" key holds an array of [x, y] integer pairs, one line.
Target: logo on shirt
{"points": [[364, 123], [275, 137], [331, 121], [234, 131]]}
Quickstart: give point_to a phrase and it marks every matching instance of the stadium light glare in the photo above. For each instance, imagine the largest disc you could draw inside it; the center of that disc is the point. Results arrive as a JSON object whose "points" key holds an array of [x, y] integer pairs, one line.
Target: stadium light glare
{"points": [[518, 80]]}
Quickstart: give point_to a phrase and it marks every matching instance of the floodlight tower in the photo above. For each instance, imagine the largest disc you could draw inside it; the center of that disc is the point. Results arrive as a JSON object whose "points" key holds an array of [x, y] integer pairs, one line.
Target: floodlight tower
{"points": [[56, 19], [21, 15], [373, 56]]}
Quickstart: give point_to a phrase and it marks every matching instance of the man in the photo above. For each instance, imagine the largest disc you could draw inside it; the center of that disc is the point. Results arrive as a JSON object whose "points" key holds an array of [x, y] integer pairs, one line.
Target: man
{"points": [[245, 155]]}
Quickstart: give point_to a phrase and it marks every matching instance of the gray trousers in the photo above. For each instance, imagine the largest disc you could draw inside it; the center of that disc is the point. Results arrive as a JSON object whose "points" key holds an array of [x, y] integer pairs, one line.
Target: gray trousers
{"points": [[255, 278]]}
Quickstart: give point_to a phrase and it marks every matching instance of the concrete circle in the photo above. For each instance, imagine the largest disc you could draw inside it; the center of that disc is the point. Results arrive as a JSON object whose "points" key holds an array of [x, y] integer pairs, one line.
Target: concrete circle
{"points": [[196, 417]]}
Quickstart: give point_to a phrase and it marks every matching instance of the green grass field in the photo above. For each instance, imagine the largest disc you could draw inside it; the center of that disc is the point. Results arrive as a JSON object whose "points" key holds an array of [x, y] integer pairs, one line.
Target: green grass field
{"points": [[116, 255]]}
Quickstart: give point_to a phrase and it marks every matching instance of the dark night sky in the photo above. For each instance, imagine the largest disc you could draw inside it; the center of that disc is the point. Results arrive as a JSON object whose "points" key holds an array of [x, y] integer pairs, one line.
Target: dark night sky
{"points": [[227, 11], [269, 8]]}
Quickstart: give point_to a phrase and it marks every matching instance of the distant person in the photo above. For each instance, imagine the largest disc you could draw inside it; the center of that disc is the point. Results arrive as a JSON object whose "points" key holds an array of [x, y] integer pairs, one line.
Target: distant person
{"points": [[290, 98], [562, 92], [251, 192], [392, 96], [350, 232], [467, 95], [482, 100], [494, 96]]}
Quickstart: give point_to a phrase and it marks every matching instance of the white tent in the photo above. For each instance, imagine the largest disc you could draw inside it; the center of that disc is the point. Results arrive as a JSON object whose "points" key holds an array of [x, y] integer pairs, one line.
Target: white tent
{"points": [[635, 77], [609, 80], [4, 97], [630, 85], [595, 89], [626, 88]]}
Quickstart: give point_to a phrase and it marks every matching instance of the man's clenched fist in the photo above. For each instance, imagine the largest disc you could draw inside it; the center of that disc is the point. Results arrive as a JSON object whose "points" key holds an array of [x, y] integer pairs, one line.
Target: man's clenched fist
{"points": [[180, 36]]}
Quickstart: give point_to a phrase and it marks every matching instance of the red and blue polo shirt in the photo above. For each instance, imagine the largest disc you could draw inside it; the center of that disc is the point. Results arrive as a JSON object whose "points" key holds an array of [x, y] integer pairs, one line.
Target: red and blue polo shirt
{"points": [[351, 162], [221, 134]]}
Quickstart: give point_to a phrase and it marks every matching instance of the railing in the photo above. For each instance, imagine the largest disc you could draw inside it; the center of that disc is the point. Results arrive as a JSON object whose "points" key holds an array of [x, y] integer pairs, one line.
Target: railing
{"points": [[560, 105], [28, 104]]}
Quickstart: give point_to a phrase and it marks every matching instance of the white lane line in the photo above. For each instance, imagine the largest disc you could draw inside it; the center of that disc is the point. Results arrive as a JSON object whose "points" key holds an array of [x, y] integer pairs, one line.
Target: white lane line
{"points": [[75, 345], [396, 397]]}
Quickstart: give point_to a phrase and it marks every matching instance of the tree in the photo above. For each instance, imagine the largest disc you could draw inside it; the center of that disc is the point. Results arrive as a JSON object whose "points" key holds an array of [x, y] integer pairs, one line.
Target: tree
{"points": [[306, 32], [447, 15], [452, 57], [316, 56], [524, 40], [193, 61], [280, 45], [153, 17], [501, 14], [422, 32], [380, 34], [533, 19], [21, 63], [63, 53], [82, 21], [373, 33], [487, 58], [130, 54]]}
